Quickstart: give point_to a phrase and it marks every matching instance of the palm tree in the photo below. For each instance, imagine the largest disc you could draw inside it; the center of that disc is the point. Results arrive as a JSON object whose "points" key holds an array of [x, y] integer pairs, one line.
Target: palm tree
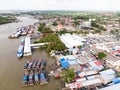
{"points": [[68, 75], [101, 56]]}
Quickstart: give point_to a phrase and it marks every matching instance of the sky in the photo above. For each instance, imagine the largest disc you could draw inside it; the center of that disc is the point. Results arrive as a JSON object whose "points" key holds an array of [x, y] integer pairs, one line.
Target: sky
{"points": [[110, 5]]}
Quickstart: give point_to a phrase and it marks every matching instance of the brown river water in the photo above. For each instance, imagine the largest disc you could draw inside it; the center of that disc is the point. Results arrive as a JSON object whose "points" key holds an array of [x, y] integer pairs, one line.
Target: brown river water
{"points": [[11, 66]]}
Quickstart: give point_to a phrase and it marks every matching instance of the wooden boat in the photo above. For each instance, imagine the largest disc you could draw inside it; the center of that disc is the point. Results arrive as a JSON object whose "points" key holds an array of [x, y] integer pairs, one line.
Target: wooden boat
{"points": [[35, 64], [25, 65], [31, 80], [43, 65], [43, 80], [25, 79], [36, 78], [57, 74], [30, 65], [39, 63]]}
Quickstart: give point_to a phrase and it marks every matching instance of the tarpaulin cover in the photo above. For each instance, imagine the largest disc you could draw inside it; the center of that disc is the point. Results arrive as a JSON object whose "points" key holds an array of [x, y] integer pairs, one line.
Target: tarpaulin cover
{"points": [[116, 80], [64, 63]]}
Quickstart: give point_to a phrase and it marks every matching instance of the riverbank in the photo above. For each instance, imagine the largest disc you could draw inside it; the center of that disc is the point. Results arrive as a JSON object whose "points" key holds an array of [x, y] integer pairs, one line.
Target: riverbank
{"points": [[5, 20], [11, 72]]}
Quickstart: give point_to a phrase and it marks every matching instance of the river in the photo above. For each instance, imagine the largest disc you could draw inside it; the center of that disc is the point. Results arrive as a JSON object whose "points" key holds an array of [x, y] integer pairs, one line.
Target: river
{"points": [[11, 66]]}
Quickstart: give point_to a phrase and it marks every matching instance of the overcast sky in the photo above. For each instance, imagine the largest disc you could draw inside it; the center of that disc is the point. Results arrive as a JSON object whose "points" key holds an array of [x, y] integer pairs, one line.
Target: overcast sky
{"points": [[60, 5]]}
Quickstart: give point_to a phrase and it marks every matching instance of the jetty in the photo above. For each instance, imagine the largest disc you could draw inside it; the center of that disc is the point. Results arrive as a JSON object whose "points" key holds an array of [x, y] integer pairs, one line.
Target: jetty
{"points": [[28, 46]]}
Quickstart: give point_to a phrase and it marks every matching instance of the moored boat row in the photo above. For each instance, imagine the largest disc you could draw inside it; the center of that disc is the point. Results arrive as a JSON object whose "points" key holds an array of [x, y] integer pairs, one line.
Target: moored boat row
{"points": [[35, 64], [21, 31], [33, 78], [34, 73]]}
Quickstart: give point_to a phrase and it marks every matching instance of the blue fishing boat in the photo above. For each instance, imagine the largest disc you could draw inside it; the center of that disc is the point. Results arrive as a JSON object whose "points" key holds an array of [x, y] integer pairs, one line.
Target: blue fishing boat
{"points": [[20, 51], [43, 65], [31, 82], [36, 78], [25, 80], [21, 48], [22, 41], [30, 65], [35, 64], [43, 80]]}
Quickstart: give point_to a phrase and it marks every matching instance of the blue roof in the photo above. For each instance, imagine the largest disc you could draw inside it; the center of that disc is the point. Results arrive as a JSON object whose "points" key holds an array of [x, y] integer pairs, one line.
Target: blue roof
{"points": [[116, 80], [64, 63]]}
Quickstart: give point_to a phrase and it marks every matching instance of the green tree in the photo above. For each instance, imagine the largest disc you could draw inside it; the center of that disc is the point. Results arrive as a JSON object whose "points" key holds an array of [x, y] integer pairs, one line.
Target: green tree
{"points": [[80, 47], [101, 55], [42, 28], [54, 42], [63, 23], [97, 31], [62, 31], [4, 20], [76, 22], [68, 75], [94, 24], [112, 31], [54, 23]]}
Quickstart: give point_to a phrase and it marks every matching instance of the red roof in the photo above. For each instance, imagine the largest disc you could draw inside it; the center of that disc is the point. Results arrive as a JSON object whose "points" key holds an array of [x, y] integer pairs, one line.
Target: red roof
{"points": [[97, 63]]}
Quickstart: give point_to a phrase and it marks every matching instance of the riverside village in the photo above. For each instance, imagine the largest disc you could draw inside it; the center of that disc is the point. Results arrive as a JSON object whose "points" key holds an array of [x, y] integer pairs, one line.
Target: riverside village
{"points": [[82, 48]]}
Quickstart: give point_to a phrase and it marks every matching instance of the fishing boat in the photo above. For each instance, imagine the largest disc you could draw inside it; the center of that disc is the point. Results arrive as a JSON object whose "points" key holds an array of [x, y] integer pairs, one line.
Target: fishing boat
{"points": [[20, 51], [30, 65], [25, 79], [26, 65], [43, 80], [36, 78], [43, 65], [23, 31], [57, 74], [31, 81], [39, 63], [21, 48], [35, 64], [22, 41]]}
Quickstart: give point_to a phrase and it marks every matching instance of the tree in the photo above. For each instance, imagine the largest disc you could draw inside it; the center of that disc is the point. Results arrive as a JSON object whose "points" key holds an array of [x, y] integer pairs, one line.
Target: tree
{"points": [[54, 23], [116, 32], [42, 28], [97, 31], [4, 20], [94, 24], [112, 31], [68, 75], [80, 47], [63, 23], [54, 42], [61, 32], [101, 55], [76, 22]]}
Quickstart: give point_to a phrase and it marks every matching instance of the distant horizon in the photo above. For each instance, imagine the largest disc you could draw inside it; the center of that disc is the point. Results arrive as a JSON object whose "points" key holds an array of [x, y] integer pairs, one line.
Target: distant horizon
{"points": [[71, 5], [2, 11]]}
